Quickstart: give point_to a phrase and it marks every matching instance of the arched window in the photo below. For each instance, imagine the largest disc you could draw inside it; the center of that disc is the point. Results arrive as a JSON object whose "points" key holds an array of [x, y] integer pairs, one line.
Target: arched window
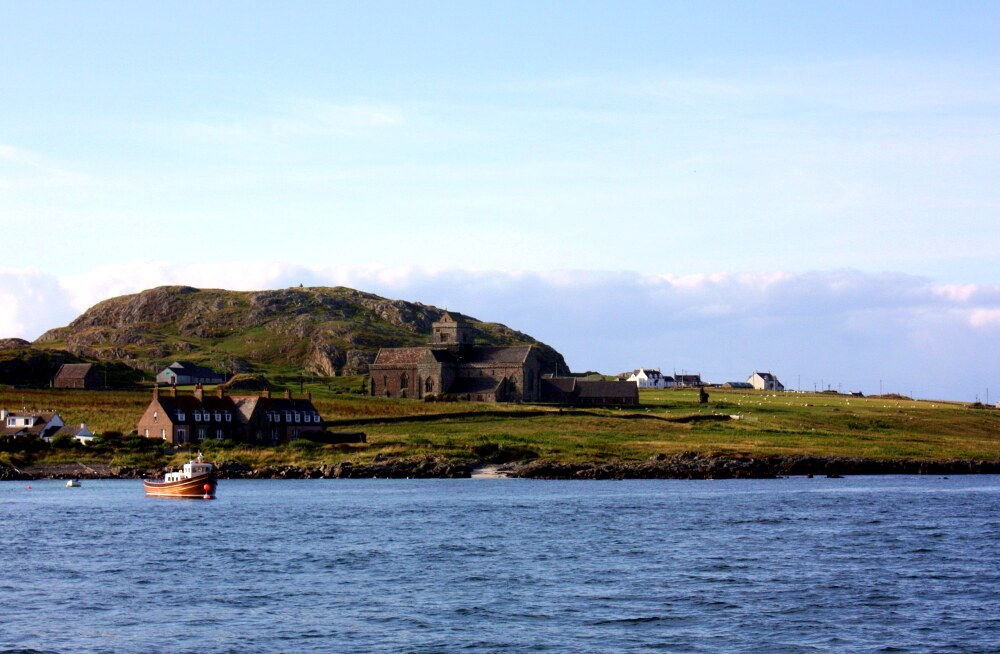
{"points": [[385, 383], [429, 385], [404, 381]]}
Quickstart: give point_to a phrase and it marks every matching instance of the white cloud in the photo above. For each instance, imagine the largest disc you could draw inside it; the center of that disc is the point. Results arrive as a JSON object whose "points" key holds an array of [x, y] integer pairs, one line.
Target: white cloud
{"points": [[844, 328]]}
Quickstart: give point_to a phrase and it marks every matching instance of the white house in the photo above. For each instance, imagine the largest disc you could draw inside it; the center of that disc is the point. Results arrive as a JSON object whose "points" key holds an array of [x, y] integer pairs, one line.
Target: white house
{"points": [[81, 433], [30, 423], [650, 378], [765, 381]]}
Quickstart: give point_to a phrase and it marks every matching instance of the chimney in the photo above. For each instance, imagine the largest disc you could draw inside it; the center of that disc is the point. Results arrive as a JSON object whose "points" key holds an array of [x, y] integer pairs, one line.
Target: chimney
{"points": [[309, 396], [199, 392], [156, 391], [173, 391], [220, 391], [288, 393], [266, 393]]}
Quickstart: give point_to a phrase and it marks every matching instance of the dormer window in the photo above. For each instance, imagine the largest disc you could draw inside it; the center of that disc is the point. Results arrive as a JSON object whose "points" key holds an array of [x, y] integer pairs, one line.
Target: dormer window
{"points": [[218, 416], [229, 417], [180, 416], [288, 416], [197, 416], [298, 417]]}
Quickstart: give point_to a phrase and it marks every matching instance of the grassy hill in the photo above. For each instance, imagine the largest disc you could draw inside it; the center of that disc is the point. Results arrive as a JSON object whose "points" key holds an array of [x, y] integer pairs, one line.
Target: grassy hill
{"points": [[312, 331]]}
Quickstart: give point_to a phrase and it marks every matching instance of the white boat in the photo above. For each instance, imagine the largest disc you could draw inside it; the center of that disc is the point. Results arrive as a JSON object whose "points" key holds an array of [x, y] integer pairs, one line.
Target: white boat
{"points": [[196, 479], [72, 483]]}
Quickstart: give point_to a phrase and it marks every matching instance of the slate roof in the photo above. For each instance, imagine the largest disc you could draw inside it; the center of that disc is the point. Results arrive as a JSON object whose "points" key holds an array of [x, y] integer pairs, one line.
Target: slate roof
{"points": [[598, 388], [496, 354], [193, 370], [562, 384], [400, 356], [474, 385], [74, 370]]}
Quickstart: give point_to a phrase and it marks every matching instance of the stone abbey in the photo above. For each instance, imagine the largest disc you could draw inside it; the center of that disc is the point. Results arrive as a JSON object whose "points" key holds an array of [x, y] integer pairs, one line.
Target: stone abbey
{"points": [[452, 365]]}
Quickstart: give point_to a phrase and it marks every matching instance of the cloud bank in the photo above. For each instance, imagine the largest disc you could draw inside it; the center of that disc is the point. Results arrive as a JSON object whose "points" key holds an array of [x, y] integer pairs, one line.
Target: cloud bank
{"points": [[841, 329]]}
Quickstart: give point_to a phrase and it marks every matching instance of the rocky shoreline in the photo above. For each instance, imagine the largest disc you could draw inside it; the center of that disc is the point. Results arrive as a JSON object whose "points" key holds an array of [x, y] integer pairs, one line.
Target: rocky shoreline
{"points": [[679, 466]]}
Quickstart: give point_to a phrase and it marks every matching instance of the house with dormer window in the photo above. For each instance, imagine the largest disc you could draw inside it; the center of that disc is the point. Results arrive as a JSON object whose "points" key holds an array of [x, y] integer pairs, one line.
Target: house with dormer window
{"points": [[180, 418]]}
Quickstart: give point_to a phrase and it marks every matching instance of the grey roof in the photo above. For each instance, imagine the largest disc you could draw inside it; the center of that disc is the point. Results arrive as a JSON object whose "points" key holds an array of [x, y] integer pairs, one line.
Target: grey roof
{"points": [[74, 370], [596, 388], [474, 385]]}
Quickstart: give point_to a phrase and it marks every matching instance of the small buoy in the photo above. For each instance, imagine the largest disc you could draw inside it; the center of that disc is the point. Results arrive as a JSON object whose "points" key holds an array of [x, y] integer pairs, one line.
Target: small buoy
{"points": [[208, 487], [29, 486]]}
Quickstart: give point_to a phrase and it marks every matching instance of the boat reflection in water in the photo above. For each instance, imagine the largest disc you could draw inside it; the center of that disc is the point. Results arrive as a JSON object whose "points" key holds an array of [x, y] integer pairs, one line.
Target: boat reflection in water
{"points": [[195, 480]]}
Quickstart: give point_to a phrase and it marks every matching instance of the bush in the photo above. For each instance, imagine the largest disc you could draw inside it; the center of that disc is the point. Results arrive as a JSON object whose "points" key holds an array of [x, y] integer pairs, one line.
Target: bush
{"points": [[64, 442]]}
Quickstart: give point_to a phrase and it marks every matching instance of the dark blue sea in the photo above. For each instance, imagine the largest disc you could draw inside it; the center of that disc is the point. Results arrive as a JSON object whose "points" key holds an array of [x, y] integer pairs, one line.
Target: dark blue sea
{"points": [[865, 564]]}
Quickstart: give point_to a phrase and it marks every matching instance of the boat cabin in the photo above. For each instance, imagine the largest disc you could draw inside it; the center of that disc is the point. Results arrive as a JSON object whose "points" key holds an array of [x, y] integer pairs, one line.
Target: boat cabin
{"points": [[190, 469]]}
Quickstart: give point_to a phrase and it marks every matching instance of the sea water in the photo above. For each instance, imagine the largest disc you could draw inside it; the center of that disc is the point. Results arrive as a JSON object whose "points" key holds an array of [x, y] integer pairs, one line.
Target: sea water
{"points": [[865, 564]]}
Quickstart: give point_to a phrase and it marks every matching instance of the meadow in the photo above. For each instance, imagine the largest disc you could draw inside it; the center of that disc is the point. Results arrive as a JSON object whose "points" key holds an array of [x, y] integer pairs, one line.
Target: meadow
{"points": [[750, 423]]}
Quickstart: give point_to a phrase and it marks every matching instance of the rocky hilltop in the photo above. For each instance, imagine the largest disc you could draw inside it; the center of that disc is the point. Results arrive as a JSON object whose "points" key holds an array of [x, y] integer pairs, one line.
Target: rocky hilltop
{"points": [[322, 331]]}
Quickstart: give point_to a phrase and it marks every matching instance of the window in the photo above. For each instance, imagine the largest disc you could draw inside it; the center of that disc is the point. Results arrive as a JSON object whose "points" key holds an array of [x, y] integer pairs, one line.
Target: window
{"points": [[163, 434], [404, 381], [219, 435], [229, 417], [218, 417], [180, 416], [201, 433], [288, 416], [197, 416], [429, 385], [298, 417], [156, 416], [181, 435], [385, 383], [146, 433]]}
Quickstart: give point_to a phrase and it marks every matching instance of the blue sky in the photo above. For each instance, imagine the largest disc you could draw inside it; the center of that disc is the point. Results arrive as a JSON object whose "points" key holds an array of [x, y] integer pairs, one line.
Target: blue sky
{"points": [[825, 169]]}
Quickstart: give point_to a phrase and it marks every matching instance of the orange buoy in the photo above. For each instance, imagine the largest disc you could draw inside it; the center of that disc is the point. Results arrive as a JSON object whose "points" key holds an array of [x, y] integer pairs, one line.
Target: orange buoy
{"points": [[208, 487]]}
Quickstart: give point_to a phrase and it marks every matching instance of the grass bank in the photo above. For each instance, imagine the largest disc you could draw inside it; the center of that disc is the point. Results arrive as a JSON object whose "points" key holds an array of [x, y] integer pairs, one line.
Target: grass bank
{"points": [[744, 423]]}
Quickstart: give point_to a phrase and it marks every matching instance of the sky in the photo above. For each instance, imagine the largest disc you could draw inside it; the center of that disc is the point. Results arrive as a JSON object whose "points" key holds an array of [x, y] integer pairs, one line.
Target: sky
{"points": [[718, 187]]}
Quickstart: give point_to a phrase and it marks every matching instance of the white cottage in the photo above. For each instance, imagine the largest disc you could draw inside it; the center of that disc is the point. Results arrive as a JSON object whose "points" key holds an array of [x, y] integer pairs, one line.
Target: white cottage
{"points": [[650, 378], [765, 381]]}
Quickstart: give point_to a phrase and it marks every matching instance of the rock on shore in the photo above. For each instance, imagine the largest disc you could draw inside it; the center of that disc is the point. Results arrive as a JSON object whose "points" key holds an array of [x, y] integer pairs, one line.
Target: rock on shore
{"points": [[701, 466], [678, 466]]}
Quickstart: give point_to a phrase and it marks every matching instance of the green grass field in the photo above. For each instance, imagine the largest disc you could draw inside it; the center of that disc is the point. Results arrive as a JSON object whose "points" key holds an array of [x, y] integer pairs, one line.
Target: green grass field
{"points": [[669, 421]]}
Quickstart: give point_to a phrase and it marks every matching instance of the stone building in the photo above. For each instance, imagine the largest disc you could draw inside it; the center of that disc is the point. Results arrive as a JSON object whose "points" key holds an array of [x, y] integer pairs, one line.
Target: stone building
{"points": [[182, 418], [574, 391], [77, 375], [452, 365]]}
